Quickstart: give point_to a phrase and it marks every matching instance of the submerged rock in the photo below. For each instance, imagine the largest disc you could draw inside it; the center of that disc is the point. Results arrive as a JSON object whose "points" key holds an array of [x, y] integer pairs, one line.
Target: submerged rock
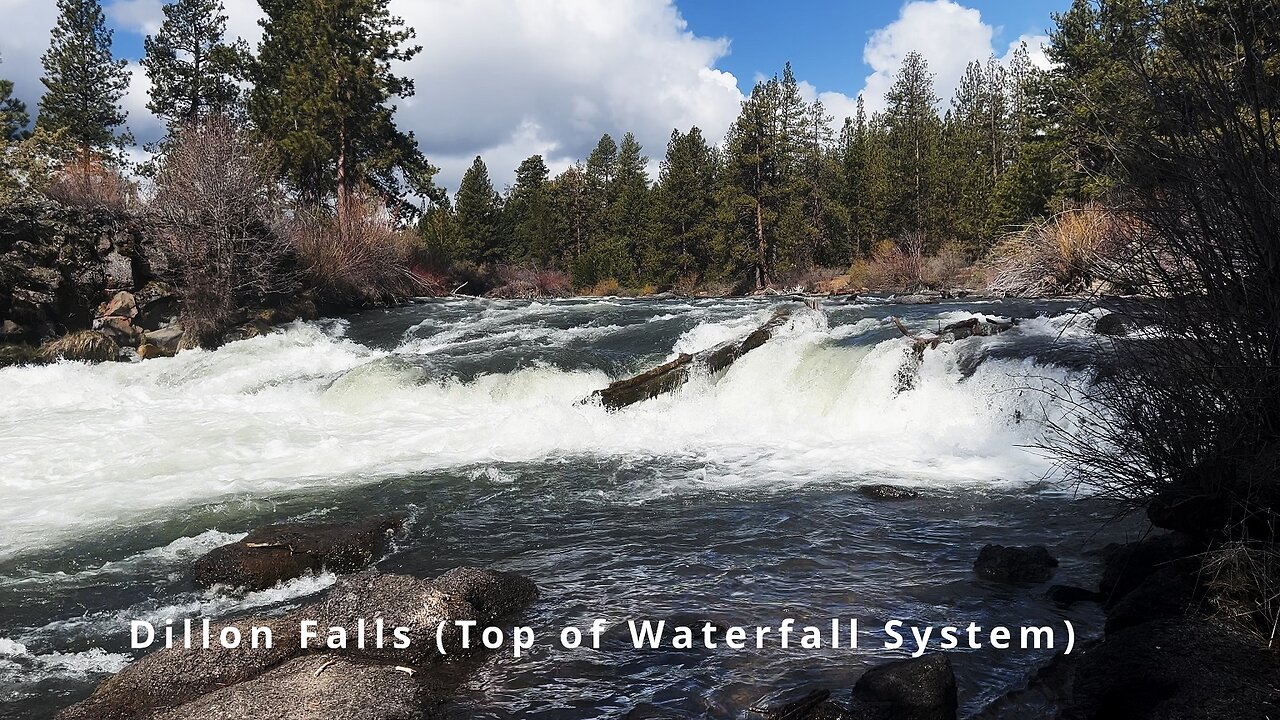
{"points": [[274, 553], [922, 688], [1114, 325], [888, 492], [1015, 564]]}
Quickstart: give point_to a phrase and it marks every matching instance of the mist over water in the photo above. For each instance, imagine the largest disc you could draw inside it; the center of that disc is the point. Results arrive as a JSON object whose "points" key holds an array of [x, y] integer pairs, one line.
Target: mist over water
{"points": [[735, 497]]}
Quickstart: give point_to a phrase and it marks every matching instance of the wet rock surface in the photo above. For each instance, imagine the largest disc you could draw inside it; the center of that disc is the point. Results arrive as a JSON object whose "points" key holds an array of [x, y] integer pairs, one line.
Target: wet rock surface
{"points": [[888, 492], [922, 688], [319, 680], [1015, 564], [275, 553]]}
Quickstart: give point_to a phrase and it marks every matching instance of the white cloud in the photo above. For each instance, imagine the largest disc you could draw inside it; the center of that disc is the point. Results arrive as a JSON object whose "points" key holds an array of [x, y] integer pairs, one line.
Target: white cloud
{"points": [[23, 39], [947, 34], [142, 16], [506, 79]]}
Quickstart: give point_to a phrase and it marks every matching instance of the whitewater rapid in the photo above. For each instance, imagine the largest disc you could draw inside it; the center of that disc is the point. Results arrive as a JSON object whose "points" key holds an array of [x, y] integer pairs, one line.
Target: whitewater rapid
{"points": [[88, 447]]}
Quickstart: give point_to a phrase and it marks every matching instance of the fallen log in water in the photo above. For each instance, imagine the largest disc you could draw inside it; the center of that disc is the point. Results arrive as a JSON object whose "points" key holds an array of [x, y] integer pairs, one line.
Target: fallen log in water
{"points": [[954, 331], [672, 374]]}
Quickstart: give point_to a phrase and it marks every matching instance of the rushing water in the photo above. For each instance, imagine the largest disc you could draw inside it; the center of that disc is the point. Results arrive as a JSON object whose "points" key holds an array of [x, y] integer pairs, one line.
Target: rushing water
{"points": [[735, 499]]}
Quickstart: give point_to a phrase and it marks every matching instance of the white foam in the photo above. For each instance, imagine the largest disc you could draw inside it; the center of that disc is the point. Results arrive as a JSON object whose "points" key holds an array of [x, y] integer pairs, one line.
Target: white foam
{"points": [[18, 663], [88, 447]]}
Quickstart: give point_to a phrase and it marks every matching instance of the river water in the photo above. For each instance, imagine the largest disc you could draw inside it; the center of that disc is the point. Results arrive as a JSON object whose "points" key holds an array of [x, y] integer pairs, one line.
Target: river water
{"points": [[735, 499]]}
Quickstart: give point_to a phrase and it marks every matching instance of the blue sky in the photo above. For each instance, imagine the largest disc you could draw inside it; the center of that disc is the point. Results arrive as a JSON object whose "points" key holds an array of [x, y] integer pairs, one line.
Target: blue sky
{"points": [[509, 78], [824, 40]]}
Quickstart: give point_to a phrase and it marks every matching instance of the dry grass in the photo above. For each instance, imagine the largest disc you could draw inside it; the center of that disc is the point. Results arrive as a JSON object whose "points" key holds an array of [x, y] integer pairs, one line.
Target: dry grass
{"points": [[85, 346], [604, 288], [1064, 254], [358, 258], [92, 184], [1242, 581]]}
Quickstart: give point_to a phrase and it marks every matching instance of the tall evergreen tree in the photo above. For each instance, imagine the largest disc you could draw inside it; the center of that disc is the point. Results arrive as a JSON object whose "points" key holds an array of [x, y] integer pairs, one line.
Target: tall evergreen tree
{"points": [[479, 216], [323, 94], [755, 186], [13, 114], [914, 134], [83, 82], [630, 211], [686, 208], [528, 215], [192, 71]]}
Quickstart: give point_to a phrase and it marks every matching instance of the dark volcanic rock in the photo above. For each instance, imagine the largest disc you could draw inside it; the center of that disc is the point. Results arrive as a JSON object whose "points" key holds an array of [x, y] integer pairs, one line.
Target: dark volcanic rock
{"points": [[888, 492], [171, 676], [797, 705], [261, 682], [922, 688], [1015, 564], [1070, 594], [274, 553], [1185, 669], [1128, 566], [320, 687], [1114, 324]]}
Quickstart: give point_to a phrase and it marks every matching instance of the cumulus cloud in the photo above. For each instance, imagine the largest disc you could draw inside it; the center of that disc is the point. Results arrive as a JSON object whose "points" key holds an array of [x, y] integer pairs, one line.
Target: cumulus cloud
{"points": [[23, 39], [508, 79], [947, 34]]}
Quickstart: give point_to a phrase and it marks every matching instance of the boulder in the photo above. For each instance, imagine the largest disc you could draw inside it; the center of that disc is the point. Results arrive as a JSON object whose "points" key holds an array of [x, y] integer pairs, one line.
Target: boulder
{"points": [[161, 343], [119, 329], [1114, 325], [797, 705], [1031, 564], [320, 687], [83, 346], [1128, 566], [177, 683], [157, 304], [122, 304], [922, 688], [1070, 594], [275, 553], [888, 492], [915, 300], [12, 332], [118, 270], [171, 676]]}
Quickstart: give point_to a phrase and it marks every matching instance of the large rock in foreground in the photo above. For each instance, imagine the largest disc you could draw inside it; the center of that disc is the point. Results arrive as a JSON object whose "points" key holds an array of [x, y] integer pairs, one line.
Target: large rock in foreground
{"points": [[922, 688], [275, 553], [1031, 564], [181, 684]]}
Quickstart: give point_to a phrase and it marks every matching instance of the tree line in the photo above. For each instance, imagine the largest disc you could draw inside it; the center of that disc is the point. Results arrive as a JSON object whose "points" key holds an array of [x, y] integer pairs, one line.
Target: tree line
{"points": [[783, 193]]}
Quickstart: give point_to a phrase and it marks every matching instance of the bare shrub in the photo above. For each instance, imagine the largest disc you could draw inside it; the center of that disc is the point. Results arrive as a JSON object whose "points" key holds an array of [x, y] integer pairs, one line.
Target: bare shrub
{"points": [[949, 267], [523, 282], [1064, 254], [890, 266], [214, 207], [1185, 420], [604, 288], [358, 257]]}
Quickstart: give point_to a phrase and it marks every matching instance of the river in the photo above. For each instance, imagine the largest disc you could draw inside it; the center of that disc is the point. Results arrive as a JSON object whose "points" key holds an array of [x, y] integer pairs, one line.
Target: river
{"points": [[735, 499]]}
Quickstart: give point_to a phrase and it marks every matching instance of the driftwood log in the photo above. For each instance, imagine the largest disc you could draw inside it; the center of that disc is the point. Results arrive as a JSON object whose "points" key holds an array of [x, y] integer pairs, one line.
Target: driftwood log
{"points": [[671, 375]]}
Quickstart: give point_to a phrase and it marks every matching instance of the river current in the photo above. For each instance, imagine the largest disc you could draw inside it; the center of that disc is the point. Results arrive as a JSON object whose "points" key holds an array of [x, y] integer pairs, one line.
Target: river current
{"points": [[735, 499]]}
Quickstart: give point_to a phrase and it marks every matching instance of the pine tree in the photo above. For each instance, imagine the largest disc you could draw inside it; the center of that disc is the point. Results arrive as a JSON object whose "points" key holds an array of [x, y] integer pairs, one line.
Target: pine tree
{"points": [[755, 185], [630, 213], [479, 216], [686, 207], [13, 114], [323, 94], [528, 215], [914, 135], [192, 70], [83, 82]]}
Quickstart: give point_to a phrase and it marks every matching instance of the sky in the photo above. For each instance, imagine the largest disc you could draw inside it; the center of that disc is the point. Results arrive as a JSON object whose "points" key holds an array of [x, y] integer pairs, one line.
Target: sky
{"points": [[506, 79]]}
